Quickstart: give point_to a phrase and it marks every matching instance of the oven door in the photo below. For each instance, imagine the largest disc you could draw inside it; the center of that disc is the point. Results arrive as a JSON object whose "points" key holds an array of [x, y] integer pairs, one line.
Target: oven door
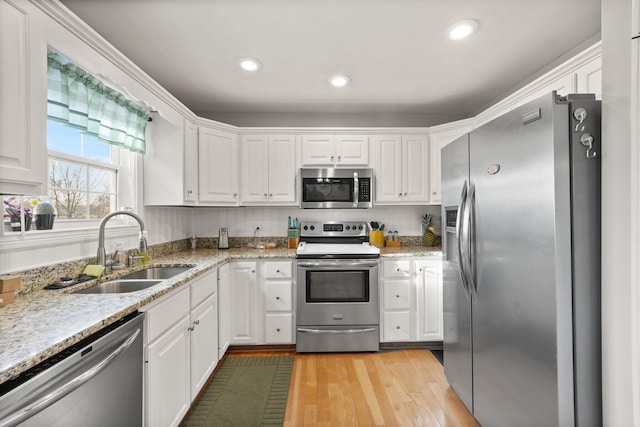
{"points": [[337, 292]]}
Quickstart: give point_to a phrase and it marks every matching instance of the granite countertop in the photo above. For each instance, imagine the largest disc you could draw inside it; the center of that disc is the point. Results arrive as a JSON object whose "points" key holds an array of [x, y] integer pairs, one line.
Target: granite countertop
{"points": [[40, 324]]}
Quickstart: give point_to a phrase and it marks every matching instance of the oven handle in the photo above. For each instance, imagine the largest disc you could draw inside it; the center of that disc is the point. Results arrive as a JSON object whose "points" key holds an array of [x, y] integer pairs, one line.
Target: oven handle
{"points": [[337, 264], [356, 190], [336, 331]]}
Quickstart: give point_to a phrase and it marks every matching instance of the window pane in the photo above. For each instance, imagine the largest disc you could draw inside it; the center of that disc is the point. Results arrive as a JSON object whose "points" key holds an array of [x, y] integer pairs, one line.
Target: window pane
{"points": [[100, 204], [67, 175], [69, 204], [67, 139], [102, 180]]}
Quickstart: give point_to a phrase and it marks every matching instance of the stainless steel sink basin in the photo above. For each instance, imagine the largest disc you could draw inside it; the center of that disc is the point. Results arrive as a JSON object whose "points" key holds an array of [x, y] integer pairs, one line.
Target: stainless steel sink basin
{"points": [[161, 273], [119, 286]]}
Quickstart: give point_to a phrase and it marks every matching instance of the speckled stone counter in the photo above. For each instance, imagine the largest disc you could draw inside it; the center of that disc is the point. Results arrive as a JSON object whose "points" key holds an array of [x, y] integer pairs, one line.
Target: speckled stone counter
{"points": [[42, 323]]}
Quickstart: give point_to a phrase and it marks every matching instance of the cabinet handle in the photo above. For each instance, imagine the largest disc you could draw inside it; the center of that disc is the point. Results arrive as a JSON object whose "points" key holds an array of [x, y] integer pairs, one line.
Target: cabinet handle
{"points": [[196, 322], [270, 195], [253, 271], [397, 295], [278, 330], [398, 327], [235, 194], [339, 157], [399, 194], [434, 193], [190, 329], [332, 158], [277, 271], [265, 194], [277, 298], [189, 191]]}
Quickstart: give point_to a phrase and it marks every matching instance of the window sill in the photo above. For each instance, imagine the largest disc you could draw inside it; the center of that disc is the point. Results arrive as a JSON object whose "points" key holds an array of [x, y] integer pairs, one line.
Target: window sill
{"points": [[12, 241]]}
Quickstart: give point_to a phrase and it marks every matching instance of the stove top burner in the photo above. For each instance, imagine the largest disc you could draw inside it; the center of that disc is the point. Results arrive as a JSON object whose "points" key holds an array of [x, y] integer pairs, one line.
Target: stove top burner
{"points": [[335, 239]]}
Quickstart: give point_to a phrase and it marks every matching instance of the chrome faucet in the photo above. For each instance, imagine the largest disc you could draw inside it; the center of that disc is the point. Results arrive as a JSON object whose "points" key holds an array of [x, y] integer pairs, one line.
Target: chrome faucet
{"points": [[102, 255]]}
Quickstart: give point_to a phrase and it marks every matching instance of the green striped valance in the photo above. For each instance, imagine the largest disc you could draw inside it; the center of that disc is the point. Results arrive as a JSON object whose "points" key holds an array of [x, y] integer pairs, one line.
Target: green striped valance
{"points": [[79, 99]]}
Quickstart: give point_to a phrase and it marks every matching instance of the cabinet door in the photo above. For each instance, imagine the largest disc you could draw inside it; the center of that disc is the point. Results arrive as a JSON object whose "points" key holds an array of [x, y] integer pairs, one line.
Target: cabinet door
{"points": [[217, 167], [317, 150], [204, 343], [244, 295], [282, 170], [168, 393], [396, 295], [190, 162], [388, 169], [396, 326], [224, 310], [278, 296], [352, 150], [430, 315], [415, 168], [438, 140], [23, 151], [278, 328], [255, 169]]}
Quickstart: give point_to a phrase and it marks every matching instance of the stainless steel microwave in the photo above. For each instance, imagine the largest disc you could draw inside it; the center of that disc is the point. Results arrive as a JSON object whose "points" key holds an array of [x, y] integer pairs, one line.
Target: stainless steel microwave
{"points": [[333, 188]]}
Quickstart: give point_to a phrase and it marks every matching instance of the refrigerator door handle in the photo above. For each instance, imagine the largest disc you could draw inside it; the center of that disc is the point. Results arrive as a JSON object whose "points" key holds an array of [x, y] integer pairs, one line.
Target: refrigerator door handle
{"points": [[469, 240], [459, 238]]}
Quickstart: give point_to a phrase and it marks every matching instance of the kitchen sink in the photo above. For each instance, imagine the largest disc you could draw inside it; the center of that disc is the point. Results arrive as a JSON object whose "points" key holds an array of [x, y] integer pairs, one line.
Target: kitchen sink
{"points": [[161, 273], [119, 286]]}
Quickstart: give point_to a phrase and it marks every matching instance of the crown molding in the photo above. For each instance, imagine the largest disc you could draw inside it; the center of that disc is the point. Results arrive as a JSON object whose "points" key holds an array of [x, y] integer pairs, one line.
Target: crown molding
{"points": [[68, 20]]}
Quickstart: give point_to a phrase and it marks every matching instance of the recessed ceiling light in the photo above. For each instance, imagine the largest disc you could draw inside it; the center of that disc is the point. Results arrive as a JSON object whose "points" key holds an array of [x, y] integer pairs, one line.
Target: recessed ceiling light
{"points": [[249, 64], [462, 29], [339, 80]]}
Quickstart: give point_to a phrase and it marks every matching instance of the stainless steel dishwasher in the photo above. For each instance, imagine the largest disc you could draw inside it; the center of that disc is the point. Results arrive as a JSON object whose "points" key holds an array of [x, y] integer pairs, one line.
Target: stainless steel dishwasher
{"points": [[97, 382]]}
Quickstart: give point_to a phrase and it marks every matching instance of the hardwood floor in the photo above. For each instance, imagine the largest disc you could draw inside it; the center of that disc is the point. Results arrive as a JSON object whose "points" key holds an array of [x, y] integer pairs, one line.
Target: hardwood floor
{"points": [[389, 388]]}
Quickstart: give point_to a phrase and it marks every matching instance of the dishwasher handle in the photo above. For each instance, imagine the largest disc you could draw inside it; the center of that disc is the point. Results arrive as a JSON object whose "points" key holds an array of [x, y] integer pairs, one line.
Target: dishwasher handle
{"points": [[44, 402]]}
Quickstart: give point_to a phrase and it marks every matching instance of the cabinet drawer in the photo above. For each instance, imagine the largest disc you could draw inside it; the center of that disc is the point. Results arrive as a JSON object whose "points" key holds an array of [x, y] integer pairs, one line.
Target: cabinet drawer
{"points": [[162, 316], [278, 270], [278, 329], [278, 296], [396, 295], [203, 287], [397, 326], [396, 268]]}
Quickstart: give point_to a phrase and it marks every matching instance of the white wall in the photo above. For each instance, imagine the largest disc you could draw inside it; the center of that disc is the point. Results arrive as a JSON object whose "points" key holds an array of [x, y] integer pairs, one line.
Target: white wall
{"points": [[272, 221], [621, 406]]}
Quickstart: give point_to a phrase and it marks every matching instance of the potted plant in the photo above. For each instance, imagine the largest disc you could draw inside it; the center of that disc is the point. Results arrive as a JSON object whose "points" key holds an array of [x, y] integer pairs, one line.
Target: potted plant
{"points": [[13, 211], [45, 214]]}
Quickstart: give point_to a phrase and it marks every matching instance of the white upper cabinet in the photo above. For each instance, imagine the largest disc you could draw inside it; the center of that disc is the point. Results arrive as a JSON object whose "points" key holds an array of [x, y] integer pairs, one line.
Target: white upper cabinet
{"points": [[439, 137], [217, 167], [335, 150], [268, 164], [170, 162], [23, 94], [402, 169]]}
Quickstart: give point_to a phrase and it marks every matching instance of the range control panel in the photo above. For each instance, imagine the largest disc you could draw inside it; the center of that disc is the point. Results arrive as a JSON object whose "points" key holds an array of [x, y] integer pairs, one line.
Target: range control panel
{"points": [[333, 229]]}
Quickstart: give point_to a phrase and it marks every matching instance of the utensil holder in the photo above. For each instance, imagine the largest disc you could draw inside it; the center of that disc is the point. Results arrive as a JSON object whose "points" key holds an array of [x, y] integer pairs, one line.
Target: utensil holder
{"points": [[376, 238], [293, 235]]}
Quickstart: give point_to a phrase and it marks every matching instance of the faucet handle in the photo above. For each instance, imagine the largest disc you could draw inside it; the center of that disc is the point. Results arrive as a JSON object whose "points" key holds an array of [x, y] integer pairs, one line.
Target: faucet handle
{"points": [[134, 258]]}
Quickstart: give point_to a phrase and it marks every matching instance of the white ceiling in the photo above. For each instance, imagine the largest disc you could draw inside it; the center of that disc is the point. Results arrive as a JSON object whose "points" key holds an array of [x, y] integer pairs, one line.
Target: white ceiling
{"points": [[404, 70]]}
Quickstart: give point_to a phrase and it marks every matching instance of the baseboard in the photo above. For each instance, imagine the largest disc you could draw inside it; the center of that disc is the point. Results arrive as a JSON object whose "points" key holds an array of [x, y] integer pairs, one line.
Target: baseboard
{"points": [[429, 345]]}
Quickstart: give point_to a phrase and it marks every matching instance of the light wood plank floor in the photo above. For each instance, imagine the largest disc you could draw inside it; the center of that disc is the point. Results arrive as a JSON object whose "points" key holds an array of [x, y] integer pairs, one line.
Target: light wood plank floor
{"points": [[390, 388]]}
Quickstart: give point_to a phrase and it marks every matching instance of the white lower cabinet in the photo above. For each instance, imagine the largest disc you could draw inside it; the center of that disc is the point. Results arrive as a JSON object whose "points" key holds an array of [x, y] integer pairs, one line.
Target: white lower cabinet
{"points": [[181, 349], [276, 285], [411, 300], [262, 300], [244, 300], [429, 287], [224, 310]]}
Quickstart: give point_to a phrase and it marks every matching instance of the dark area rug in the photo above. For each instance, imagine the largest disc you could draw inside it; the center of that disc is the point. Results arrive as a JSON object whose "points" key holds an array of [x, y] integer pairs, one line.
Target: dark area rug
{"points": [[245, 391]]}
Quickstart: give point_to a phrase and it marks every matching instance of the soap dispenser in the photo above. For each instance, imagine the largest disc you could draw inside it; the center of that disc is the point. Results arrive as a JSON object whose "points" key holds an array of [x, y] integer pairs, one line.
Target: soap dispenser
{"points": [[119, 258]]}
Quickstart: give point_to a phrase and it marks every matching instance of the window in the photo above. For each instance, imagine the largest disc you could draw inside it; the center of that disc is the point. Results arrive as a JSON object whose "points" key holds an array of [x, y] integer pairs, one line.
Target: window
{"points": [[82, 173]]}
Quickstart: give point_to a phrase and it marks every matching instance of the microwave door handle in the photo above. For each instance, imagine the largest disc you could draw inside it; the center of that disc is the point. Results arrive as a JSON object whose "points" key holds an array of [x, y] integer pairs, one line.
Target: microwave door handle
{"points": [[356, 190]]}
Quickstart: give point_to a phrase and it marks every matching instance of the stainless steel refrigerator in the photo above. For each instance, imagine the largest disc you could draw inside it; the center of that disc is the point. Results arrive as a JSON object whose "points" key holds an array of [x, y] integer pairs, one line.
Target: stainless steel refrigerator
{"points": [[521, 214]]}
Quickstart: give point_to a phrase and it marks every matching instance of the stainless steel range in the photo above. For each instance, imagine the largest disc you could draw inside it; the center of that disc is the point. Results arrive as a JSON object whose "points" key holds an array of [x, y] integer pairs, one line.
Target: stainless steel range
{"points": [[337, 291]]}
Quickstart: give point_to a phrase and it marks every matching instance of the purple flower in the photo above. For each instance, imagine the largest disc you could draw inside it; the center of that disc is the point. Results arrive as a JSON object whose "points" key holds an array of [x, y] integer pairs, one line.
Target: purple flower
{"points": [[13, 208]]}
